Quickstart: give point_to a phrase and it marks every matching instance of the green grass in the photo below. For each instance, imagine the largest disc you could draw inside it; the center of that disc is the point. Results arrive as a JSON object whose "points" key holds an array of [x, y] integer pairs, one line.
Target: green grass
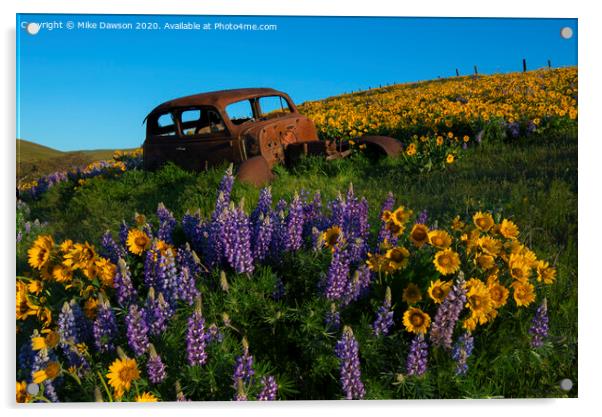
{"points": [[533, 183]]}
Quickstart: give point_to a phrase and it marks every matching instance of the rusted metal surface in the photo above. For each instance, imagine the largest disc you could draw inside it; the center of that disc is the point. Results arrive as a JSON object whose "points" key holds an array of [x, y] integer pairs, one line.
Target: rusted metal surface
{"points": [[196, 132], [255, 171], [384, 144]]}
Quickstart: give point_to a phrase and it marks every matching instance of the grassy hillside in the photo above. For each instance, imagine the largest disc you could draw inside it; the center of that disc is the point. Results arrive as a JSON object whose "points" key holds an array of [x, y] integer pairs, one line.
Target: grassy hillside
{"points": [[34, 160]]}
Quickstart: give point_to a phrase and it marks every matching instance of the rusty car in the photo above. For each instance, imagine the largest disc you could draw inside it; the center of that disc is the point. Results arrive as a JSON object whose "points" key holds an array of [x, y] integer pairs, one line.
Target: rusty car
{"points": [[254, 128]]}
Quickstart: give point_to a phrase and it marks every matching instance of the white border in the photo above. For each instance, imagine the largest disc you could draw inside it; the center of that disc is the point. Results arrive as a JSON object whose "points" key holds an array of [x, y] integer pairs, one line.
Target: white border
{"points": [[590, 150]]}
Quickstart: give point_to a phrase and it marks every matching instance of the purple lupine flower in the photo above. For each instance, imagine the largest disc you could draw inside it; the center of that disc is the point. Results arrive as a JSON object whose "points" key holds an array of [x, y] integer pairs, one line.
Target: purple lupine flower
{"points": [[385, 233], [422, 217], [212, 245], [237, 240], [333, 318], [123, 233], [358, 285], [462, 351], [192, 226], [26, 357], [269, 389], [110, 249], [279, 234], [137, 329], [170, 287], [155, 367], [122, 282], [151, 267], [19, 236], [480, 135], [158, 313], [214, 334], [338, 275], [41, 359], [223, 194], [539, 325], [263, 208], [243, 371], [262, 237], [347, 350], [384, 316], [294, 223], [448, 313], [418, 356], [186, 257], [167, 223], [313, 215], [196, 338], [73, 328], [105, 328], [186, 289]]}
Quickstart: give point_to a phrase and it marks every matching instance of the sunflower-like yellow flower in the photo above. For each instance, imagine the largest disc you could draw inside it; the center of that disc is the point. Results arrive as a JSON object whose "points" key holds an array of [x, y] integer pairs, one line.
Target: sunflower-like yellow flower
{"points": [[398, 257], [395, 229], [122, 373], [545, 272], [519, 267], [484, 261], [23, 304], [411, 294], [330, 237], [137, 241], [483, 221], [416, 321], [35, 286], [62, 273], [66, 246], [146, 397], [22, 394], [39, 253], [49, 341], [401, 216], [508, 229], [523, 293], [498, 294], [411, 151], [440, 239], [450, 158], [90, 308], [489, 245], [457, 224], [478, 299], [386, 216], [470, 323], [447, 262], [50, 372], [438, 290], [419, 235], [80, 256], [105, 271]]}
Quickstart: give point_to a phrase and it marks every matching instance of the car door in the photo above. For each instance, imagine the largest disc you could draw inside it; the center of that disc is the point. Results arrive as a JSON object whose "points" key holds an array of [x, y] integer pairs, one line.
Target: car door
{"points": [[204, 140]]}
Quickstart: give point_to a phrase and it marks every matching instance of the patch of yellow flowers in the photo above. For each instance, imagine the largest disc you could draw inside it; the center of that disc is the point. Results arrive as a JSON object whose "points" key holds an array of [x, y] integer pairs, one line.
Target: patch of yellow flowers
{"points": [[490, 253], [438, 108]]}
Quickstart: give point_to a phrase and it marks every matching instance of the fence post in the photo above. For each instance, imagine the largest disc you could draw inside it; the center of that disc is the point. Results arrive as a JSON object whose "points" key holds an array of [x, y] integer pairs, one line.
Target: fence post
{"points": [[524, 65], [549, 64], [457, 72], [476, 70]]}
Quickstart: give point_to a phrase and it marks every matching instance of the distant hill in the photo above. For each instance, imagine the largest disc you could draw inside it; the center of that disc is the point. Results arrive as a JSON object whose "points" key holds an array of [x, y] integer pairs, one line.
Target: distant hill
{"points": [[35, 160]]}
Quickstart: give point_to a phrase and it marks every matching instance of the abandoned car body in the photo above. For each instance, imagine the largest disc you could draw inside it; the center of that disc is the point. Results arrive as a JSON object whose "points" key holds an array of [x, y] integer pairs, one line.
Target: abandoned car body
{"points": [[255, 128]]}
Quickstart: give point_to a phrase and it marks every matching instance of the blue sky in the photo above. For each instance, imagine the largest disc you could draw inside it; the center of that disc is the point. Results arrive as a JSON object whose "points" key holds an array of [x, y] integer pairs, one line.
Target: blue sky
{"points": [[91, 89]]}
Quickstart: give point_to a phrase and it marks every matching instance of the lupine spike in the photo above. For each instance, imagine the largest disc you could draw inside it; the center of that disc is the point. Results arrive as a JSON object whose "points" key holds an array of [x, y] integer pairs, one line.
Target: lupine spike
{"points": [[418, 356], [448, 313], [347, 350], [539, 326]]}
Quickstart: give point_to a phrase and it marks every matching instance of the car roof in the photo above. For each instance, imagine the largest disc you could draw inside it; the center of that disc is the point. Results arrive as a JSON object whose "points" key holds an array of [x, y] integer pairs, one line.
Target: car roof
{"points": [[218, 99]]}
